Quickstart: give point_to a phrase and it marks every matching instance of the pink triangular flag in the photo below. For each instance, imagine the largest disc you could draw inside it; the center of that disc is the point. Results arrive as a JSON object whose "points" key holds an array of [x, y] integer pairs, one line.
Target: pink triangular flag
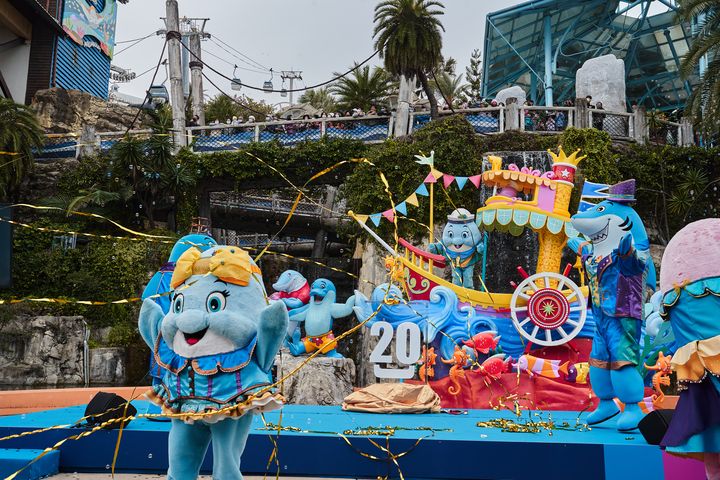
{"points": [[430, 179], [389, 215], [447, 180], [475, 180]]}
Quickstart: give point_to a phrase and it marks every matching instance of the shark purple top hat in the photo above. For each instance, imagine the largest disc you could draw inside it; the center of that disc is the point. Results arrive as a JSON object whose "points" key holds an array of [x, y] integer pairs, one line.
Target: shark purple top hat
{"points": [[622, 192]]}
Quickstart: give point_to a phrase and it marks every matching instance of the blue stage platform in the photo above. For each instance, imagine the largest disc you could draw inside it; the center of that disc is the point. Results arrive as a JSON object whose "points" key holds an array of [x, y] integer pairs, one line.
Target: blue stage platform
{"points": [[465, 452]]}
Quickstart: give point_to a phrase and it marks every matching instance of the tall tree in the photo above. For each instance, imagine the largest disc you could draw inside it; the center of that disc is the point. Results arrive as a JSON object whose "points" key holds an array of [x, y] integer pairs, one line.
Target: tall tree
{"points": [[473, 75], [448, 87], [362, 88], [222, 108], [20, 134], [407, 34], [704, 104], [320, 98]]}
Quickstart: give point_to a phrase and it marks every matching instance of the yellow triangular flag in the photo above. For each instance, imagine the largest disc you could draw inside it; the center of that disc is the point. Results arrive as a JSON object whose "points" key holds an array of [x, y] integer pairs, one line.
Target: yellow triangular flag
{"points": [[362, 218], [436, 173], [412, 200]]}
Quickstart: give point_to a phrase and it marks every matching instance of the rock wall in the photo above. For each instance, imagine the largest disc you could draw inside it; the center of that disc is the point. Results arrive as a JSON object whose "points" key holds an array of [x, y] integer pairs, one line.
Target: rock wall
{"points": [[322, 381], [48, 351], [42, 351], [68, 111], [603, 78]]}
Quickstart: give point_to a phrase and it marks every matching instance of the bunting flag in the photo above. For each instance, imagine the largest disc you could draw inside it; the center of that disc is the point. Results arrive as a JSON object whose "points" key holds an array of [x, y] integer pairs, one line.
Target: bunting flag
{"points": [[475, 180], [375, 217], [447, 180], [461, 181], [422, 190], [389, 214], [362, 218], [436, 173], [430, 178], [412, 200], [401, 208]]}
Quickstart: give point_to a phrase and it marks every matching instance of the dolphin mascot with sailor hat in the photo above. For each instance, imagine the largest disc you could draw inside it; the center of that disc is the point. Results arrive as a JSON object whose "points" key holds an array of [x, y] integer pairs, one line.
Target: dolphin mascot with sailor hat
{"points": [[462, 245], [619, 269]]}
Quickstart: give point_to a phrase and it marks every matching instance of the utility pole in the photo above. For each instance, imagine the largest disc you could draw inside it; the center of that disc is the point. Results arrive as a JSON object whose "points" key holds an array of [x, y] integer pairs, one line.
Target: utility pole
{"points": [[291, 75], [194, 30], [177, 98]]}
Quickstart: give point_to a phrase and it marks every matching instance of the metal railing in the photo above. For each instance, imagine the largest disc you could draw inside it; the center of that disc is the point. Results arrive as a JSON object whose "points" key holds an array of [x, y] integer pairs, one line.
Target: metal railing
{"points": [[484, 120], [617, 124], [274, 204], [546, 119], [370, 129], [665, 132]]}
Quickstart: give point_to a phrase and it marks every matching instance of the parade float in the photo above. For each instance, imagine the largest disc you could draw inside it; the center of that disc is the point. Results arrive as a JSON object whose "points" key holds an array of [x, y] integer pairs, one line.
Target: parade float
{"points": [[526, 348]]}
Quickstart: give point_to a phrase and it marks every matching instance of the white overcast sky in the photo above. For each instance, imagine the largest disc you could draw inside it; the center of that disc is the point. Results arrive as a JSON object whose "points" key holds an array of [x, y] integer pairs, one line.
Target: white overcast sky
{"points": [[318, 37]]}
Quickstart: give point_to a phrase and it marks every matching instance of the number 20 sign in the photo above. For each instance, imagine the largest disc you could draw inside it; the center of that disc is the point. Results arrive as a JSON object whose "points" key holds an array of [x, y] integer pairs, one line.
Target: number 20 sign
{"points": [[407, 349]]}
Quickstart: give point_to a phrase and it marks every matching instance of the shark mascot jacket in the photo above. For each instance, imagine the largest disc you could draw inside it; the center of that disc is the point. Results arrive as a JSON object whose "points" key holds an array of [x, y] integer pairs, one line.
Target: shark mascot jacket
{"points": [[619, 269], [216, 348]]}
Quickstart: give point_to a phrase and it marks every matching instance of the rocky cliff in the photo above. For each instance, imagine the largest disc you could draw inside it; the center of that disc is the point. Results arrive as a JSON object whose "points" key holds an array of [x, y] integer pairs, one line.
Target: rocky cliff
{"points": [[68, 111]]}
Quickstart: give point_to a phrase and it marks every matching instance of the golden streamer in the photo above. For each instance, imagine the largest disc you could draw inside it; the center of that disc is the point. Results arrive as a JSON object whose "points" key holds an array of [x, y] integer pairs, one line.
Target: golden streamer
{"points": [[92, 215]]}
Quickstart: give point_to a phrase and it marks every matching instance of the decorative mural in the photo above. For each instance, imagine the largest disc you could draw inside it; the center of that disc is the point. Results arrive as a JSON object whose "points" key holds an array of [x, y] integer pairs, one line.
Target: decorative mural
{"points": [[91, 24]]}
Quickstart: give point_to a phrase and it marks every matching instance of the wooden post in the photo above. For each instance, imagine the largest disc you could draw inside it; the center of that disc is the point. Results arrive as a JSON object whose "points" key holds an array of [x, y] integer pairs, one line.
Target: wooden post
{"points": [[196, 65], [177, 97], [582, 119], [687, 137], [640, 125]]}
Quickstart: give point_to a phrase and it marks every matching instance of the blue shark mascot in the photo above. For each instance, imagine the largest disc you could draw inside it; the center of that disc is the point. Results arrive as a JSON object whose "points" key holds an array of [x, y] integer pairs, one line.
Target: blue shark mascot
{"points": [[462, 245], [159, 284], [617, 262], [216, 347], [318, 316]]}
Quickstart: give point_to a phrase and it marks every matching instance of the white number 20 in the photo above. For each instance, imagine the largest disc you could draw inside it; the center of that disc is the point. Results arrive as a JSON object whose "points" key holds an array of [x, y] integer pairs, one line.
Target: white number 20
{"points": [[407, 349]]}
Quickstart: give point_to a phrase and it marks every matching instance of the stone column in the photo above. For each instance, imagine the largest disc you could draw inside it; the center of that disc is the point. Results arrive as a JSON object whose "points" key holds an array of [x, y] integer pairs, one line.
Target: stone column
{"points": [[88, 142], [402, 113], [687, 137], [640, 126], [581, 113], [512, 114]]}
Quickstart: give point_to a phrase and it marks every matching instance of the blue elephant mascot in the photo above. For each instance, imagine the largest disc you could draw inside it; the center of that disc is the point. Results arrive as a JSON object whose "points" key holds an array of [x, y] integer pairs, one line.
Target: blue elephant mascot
{"points": [[619, 269], [216, 348], [159, 284], [462, 245]]}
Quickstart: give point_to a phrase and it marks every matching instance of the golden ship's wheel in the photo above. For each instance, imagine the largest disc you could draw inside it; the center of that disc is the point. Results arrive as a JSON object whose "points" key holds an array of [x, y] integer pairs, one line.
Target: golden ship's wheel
{"points": [[541, 311]]}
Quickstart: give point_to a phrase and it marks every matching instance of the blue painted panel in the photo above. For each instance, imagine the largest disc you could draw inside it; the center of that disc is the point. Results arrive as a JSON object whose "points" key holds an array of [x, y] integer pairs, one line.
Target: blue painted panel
{"points": [[633, 462], [81, 68], [12, 460]]}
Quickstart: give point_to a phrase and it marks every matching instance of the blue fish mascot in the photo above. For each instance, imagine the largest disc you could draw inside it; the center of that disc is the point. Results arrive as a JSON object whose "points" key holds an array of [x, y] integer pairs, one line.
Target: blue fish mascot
{"points": [[617, 263], [159, 284], [216, 347], [462, 245]]}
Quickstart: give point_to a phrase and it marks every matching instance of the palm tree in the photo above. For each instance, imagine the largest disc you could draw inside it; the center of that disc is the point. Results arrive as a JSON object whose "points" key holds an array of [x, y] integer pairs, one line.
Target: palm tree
{"points": [[320, 98], [363, 88], [20, 134], [407, 34], [449, 87], [704, 104]]}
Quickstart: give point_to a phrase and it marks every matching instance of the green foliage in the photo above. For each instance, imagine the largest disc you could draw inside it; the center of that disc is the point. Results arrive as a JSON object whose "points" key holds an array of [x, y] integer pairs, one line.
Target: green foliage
{"points": [[123, 334], [448, 87], [704, 103], [97, 270], [407, 34], [320, 98], [473, 75], [600, 164], [362, 88], [20, 133], [223, 108]]}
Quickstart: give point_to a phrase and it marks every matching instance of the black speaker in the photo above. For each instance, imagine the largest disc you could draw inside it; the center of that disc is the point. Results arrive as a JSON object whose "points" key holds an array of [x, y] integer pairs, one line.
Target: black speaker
{"points": [[5, 246], [654, 425], [106, 406]]}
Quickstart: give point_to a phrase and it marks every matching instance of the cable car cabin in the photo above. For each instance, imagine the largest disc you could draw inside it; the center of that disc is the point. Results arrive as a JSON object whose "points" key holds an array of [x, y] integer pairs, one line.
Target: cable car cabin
{"points": [[158, 95]]}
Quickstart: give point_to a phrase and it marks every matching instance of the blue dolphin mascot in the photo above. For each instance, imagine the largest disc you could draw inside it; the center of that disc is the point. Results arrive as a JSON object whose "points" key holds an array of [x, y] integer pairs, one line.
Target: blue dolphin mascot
{"points": [[462, 245], [216, 348], [619, 270]]}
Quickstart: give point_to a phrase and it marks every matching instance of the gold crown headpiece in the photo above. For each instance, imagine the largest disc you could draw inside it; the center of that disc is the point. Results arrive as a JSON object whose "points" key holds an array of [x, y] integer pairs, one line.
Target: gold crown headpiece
{"points": [[563, 158], [229, 264]]}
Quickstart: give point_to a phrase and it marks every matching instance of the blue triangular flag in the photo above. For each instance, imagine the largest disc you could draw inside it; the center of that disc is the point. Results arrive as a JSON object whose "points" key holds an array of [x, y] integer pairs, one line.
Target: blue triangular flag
{"points": [[594, 190], [422, 190], [401, 208], [375, 218], [461, 181]]}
